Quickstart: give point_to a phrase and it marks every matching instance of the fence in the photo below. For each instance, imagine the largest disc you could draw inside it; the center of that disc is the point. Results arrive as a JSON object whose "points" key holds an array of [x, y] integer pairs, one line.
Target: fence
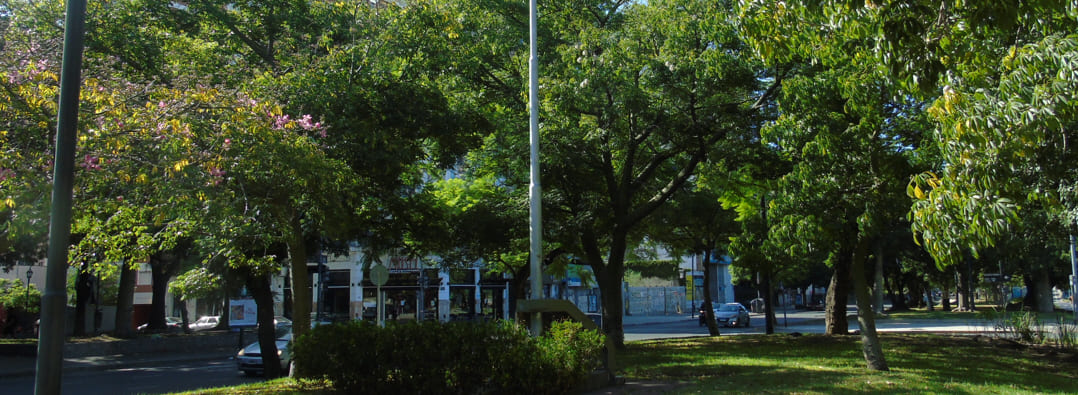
{"points": [[656, 301]]}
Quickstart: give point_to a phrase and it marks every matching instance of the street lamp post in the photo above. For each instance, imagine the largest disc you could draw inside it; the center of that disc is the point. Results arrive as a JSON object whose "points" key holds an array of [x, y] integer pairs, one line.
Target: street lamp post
{"points": [[29, 273]]}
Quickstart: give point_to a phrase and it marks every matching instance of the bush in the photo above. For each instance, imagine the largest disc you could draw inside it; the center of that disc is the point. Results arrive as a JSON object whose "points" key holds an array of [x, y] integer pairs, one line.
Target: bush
{"points": [[456, 357], [13, 296], [571, 352]]}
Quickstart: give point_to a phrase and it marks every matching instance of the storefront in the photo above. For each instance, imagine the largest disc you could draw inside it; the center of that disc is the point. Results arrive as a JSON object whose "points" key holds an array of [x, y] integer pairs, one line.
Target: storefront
{"points": [[413, 291]]}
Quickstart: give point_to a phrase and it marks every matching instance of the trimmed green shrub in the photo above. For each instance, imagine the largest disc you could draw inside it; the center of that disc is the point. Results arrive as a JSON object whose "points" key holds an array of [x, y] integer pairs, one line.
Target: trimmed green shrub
{"points": [[456, 357]]}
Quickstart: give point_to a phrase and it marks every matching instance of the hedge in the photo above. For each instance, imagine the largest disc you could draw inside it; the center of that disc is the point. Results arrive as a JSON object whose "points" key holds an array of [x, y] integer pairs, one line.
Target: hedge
{"points": [[454, 358]]}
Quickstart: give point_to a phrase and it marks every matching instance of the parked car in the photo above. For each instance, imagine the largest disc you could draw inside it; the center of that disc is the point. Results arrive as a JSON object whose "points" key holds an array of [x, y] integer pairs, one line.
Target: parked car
{"points": [[729, 314], [281, 322], [249, 359], [204, 323], [172, 324]]}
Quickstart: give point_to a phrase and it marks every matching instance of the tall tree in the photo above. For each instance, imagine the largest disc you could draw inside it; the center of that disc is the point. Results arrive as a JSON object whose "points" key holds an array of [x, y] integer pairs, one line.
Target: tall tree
{"points": [[852, 133], [635, 96]]}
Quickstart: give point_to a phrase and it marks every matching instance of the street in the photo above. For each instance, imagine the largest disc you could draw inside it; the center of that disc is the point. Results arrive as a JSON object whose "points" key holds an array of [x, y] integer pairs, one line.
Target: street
{"points": [[163, 378], [687, 327]]}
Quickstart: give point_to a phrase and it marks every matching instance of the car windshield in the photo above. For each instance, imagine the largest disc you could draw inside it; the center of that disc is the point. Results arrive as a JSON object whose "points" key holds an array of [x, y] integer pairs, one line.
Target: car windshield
{"points": [[728, 307], [281, 333]]}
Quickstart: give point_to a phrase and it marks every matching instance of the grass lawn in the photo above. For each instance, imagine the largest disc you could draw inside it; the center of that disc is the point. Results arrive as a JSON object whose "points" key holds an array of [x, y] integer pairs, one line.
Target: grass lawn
{"points": [[827, 365], [815, 364]]}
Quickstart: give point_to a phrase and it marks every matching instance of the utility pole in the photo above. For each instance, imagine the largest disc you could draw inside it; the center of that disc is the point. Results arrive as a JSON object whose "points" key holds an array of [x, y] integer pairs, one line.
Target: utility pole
{"points": [[1074, 281], [535, 193], [50, 345]]}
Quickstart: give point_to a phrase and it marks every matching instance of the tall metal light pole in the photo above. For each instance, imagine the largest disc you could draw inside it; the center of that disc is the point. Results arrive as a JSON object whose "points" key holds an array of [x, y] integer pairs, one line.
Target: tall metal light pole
{"points": [[29, 273], [1074, 281], [50, 345], [535, 192]]}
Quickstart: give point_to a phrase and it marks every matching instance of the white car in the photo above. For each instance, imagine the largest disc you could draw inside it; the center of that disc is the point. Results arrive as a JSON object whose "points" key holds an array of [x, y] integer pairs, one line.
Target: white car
{"points": [[249, 359], [172, 324], [204, 323]]}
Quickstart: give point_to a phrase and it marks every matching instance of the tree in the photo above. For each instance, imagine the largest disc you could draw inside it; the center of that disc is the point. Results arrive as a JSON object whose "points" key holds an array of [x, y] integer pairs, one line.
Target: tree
{"points": [[1004, 148], [197, 283], [852, 133], [636, 96], [697, 223]]}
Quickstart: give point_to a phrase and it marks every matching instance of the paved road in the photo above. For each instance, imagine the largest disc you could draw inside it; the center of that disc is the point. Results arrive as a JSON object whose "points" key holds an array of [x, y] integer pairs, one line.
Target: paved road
{"points": [[161, 378], [686, 326]]}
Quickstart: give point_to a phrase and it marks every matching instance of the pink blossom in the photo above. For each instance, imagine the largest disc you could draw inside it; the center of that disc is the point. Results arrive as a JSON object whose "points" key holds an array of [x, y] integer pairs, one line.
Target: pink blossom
{"points": [[90, 162], [280, 122]]}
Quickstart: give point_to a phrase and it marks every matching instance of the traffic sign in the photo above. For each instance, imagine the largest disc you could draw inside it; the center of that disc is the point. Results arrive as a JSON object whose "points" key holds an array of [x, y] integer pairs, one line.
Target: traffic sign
{"points": [[379, 274]]}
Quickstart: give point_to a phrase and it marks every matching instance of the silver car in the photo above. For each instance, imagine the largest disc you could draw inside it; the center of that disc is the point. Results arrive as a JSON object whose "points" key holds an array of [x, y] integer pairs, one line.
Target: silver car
{"points": [[249, 359], [732, 314], [204, 323]]}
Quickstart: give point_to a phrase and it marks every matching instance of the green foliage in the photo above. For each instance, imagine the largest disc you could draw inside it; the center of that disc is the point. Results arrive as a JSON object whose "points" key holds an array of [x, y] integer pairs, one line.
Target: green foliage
{"points": [[1066, 335], [457, 357], [1027, 327], [196, 283], [1023, 325], [13, 296], [571, 352]]}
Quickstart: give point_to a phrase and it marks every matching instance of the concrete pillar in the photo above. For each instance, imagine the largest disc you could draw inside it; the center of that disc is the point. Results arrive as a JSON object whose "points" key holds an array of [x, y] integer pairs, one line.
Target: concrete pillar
{"points": [[478, 293], [355, 292], [443, 296]]}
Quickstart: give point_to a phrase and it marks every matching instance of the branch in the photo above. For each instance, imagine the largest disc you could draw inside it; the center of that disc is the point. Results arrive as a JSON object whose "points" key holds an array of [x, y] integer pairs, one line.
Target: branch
{"points": [[769, 93]]}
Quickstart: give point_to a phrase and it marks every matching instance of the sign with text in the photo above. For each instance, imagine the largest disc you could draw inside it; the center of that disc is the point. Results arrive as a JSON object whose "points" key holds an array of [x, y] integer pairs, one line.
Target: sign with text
{"points": [[242, 313]]}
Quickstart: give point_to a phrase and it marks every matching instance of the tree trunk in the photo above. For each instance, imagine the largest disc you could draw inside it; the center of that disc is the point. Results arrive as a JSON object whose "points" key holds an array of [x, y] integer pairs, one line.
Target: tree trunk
{"points": [[708, 306], [125, 300], [82, 298], [870, 340], [259, 287], [517, 286], [609, 275], [184, 316], [286, 297], [878, 289], [1045, 304], [301, 283], [769, 304], [946, 298], [837, 296], [963, 292], [613, 303], [160, 271], [898, 296]]}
